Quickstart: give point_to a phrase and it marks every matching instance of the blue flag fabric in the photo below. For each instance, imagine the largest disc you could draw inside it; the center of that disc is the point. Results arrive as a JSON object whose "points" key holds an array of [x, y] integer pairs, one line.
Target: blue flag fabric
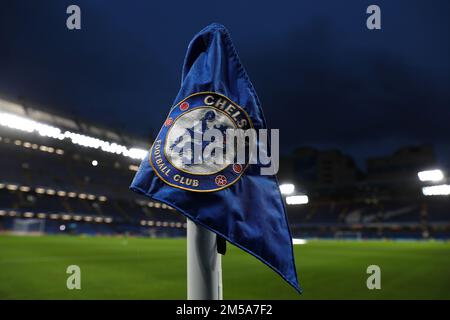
{"points": [[236, 202]]}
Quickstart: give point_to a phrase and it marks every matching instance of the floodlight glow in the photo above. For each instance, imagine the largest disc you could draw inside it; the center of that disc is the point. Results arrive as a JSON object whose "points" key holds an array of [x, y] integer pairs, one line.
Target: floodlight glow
{"points": [[299, 199], [431, 175], [299, 241], [40, 190], [23, 124], [287, 188], [440, 190], [12, 187], [61, 193]]}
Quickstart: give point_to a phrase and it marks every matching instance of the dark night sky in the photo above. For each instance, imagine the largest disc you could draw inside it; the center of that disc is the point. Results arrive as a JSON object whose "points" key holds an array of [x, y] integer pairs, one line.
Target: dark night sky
{"points": [[323, 78]]}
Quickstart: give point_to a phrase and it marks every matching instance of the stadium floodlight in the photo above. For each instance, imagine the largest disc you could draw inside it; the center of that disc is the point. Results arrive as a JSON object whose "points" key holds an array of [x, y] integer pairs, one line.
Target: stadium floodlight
{"points": [[431, 175], [287, 188], [298, 199], [40, 190], [12, 187], [439, 190], [94, 163], [133, 167], [299, 241], [24, 124], [24, 188]]}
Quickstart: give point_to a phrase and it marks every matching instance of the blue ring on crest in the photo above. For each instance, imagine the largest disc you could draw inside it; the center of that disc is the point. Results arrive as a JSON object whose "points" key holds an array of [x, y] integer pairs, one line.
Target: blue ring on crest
{"points": [[185, 180]]}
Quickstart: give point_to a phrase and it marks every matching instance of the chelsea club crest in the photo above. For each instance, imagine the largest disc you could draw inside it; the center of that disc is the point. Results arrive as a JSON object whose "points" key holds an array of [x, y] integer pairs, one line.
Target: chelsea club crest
{"points": [[186, 155]]}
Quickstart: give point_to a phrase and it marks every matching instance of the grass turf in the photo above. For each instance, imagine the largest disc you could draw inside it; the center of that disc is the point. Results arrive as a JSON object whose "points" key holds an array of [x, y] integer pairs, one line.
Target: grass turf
{"points": [[138, 268]]}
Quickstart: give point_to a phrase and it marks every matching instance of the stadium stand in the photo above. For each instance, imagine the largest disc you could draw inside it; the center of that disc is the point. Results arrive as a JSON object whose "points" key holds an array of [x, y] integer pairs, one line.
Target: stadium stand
{"points": [[74, 177]]}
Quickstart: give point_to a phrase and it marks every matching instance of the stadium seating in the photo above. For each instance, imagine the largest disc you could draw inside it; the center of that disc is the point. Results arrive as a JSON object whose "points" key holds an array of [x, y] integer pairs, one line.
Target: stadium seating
{"points": [[82, 190]]}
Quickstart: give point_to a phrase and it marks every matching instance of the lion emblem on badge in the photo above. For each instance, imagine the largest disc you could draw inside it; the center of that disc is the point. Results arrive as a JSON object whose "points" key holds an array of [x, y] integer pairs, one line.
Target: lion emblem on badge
{"points": [[189, 152]]}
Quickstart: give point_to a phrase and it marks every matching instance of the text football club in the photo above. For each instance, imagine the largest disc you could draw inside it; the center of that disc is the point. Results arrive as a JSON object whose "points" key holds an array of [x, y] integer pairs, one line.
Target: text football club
{"points": [[189, 150]]}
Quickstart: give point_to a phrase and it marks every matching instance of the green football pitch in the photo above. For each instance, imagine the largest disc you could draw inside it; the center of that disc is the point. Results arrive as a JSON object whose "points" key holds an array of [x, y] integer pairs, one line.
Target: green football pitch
{"points": [[140, 268]]}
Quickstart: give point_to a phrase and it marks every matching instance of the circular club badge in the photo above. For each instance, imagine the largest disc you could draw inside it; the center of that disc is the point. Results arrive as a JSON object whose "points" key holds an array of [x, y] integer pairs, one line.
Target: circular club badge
{"points": [[190, 150]]}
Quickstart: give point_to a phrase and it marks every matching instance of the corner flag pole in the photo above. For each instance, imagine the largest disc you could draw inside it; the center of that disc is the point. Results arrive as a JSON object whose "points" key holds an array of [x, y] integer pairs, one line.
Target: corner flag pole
{"points": [[204, 265]]}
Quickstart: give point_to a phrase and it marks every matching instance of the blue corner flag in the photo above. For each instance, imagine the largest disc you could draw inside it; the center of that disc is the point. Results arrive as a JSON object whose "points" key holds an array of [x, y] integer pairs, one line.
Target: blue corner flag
{"points": [[232, 200]]}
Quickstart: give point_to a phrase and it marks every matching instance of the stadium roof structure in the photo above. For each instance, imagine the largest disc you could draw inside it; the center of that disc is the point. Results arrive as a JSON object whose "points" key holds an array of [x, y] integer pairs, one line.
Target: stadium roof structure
{"points": [[30, 119]]}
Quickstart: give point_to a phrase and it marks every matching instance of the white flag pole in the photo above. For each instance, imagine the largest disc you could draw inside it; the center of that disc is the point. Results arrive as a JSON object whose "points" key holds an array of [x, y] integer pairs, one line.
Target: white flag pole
{"points": [[204, 267]]}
